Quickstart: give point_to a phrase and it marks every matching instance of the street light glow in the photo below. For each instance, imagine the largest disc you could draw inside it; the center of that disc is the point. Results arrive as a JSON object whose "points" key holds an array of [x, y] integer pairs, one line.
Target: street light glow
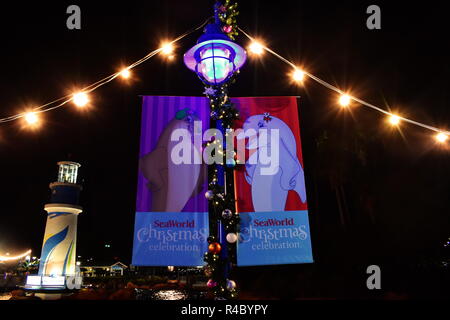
{"points": [[256, 48], [394, 119], [31, 118], [7, 257], [80, 99], [441, 137], [298, 75], [125, 73], [344, 100], [167, 48]]}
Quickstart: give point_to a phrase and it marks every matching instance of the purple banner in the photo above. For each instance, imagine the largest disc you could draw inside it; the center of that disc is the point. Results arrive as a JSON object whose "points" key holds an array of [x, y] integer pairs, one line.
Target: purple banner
{"points": [[162, 185]]}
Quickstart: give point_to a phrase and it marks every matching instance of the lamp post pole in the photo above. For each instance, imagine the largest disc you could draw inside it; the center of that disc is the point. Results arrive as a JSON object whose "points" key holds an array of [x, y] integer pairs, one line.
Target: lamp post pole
{"points": [[216, 60]]}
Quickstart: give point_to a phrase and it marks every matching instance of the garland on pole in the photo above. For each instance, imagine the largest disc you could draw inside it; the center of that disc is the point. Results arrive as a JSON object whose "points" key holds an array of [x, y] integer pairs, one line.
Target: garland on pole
{"points": [[222, 206], [228, 14], [222, 200]]}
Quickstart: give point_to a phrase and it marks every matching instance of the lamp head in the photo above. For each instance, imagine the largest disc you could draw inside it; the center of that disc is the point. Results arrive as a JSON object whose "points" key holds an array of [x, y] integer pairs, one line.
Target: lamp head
{"points": [[215, 58]]}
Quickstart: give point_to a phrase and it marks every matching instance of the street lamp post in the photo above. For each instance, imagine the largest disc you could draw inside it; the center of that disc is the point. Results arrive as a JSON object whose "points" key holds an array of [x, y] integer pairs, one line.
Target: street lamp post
{"points": [[216, 60]]}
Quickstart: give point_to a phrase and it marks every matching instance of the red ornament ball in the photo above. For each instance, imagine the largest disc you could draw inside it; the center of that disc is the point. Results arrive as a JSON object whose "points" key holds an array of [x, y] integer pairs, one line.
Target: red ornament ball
{"points": [[214, 247], [227, 29], [211, 283]]}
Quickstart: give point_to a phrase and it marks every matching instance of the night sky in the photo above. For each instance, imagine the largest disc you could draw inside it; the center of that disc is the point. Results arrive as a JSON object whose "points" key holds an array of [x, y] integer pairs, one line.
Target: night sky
{"points": [[396, 183]]}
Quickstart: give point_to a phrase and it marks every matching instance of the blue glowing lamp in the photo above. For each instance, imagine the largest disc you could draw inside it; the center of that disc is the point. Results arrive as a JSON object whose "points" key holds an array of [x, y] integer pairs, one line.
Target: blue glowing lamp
{"points": [[215, 58]]}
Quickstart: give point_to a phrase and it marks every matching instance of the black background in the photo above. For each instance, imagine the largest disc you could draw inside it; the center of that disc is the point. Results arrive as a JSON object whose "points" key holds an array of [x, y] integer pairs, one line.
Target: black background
{"points": [[396, 183]]}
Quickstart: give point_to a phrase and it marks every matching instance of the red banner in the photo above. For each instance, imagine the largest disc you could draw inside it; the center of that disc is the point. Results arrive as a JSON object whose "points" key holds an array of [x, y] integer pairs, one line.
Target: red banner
{"points": [[274, 113]]}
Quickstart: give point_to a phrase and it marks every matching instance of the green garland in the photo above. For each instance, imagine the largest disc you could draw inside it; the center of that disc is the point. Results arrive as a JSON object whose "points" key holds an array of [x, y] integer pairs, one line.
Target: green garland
{"points": [[228, 15], [223, 205], [221, 106]]}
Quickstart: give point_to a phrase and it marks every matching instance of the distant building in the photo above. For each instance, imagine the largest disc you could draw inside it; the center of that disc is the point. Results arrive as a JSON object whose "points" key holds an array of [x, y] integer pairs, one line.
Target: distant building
{"points": [[116, 269]]}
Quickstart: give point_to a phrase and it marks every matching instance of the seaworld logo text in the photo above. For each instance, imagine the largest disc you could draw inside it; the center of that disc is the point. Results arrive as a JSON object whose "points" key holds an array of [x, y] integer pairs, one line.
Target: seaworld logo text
{"points": [[273, 222], [174, 224]]}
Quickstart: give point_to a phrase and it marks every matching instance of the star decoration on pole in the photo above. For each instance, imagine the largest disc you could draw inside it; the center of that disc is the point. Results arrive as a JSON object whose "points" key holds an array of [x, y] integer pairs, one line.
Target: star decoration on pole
{"points": [[209, 91]]}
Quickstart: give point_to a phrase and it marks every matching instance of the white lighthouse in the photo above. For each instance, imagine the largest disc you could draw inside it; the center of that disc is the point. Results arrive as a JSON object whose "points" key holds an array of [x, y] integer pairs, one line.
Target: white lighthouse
{"points": [[57, 268]]}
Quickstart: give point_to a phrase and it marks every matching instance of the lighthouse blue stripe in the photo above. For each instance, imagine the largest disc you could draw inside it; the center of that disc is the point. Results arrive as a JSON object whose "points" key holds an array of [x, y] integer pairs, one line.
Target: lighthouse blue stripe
{"points": [[67, 257], [57, 214], [49, 245]]}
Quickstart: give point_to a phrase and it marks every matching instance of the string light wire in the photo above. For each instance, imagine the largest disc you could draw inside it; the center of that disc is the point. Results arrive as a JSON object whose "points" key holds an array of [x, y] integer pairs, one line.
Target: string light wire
{"points": [[335, 89], [60, 102], [8, 258]]}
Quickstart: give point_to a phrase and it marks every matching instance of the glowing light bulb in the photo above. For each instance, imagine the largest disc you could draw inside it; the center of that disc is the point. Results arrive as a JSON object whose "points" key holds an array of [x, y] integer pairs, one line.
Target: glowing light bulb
{"points": [[298, 75], [125, 73], [394, 120], [441, 137], [167, 48], [80, 99], [256, 48], [345, 100], [31, 118]]}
